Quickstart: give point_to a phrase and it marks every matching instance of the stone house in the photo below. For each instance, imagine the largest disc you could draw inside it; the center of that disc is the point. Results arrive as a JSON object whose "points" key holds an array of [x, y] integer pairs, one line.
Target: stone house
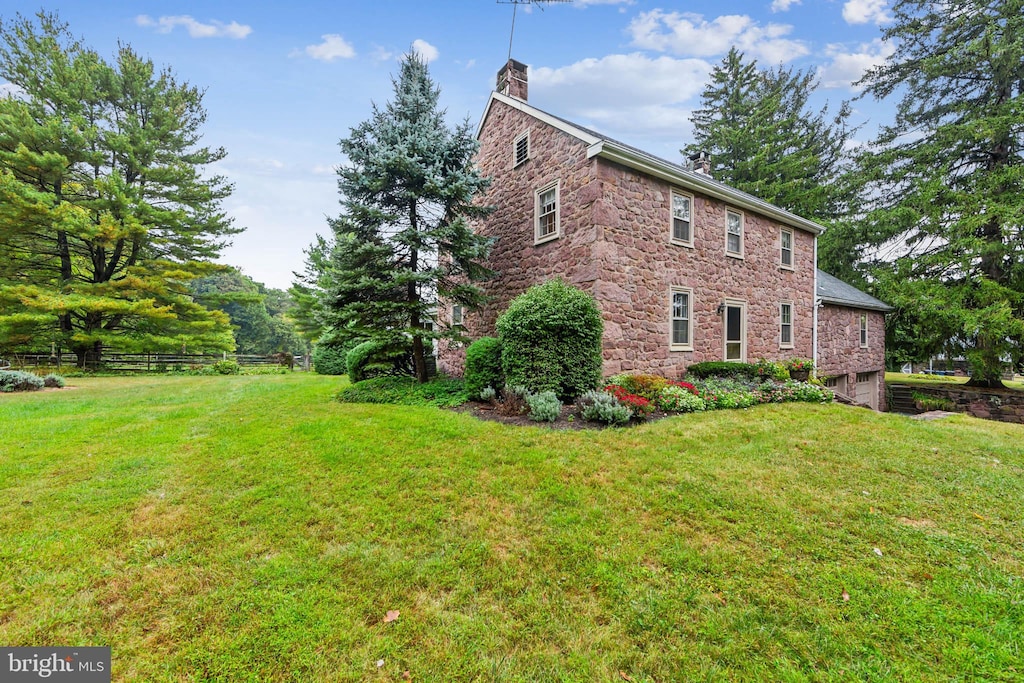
{"points": [[684, 268]]}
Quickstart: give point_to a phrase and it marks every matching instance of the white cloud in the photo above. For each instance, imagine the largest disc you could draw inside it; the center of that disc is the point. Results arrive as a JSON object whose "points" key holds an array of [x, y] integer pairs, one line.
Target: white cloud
{"points": [[425, 50], [381, 54], [846, 67], [783, 5], [196, 29], [642, 100], [691, 35], [865, 11], [333, 47], [11, 90], [324, 169]]}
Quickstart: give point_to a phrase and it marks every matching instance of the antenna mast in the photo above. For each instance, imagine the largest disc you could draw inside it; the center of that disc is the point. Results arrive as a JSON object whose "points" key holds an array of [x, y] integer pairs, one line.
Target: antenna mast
{"points": [[515, 6]]}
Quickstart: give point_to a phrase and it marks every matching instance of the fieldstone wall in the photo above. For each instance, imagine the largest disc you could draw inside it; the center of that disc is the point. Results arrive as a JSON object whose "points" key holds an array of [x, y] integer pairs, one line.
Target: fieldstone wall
{"points": [[839, 350], [615, 243], [1004, 405]]}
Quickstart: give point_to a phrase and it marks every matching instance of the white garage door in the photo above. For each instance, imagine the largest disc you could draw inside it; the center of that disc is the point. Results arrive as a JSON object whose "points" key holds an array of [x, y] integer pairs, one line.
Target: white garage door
{"points": [[867, 389]]}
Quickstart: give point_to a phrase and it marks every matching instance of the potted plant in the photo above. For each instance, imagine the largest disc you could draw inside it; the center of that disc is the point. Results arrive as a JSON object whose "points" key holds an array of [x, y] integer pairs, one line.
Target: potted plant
{"points": [[800, 369]]}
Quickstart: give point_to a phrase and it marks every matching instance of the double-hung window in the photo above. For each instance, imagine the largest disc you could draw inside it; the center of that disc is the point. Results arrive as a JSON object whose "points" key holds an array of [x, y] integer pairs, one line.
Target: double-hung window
{"points": [[682, 224], [863, 330], [681, 335], [786, 238], [546, 211], [734, 233], [786, 325]]}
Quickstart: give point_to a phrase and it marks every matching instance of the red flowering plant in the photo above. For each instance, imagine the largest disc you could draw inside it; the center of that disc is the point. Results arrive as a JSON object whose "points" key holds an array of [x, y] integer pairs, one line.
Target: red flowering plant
{"points": [[638, 405], [684, 385]]}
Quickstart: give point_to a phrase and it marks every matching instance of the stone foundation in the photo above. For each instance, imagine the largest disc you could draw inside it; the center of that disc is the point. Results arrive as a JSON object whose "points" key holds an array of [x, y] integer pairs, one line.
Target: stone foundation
{"points": [[1002, 405]]}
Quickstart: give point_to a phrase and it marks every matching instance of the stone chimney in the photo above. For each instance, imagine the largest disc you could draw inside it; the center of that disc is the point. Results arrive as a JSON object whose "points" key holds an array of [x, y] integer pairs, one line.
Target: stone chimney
{"points": [[701, 163], [512, 80]]}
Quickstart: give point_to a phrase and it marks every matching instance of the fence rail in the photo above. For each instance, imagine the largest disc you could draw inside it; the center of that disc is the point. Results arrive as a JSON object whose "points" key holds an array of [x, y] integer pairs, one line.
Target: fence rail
{"points": [[146, 362]]}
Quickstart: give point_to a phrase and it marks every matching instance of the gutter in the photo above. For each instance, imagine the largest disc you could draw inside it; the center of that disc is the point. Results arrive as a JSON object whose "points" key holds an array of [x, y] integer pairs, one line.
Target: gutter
{"points": [[814, 313]]}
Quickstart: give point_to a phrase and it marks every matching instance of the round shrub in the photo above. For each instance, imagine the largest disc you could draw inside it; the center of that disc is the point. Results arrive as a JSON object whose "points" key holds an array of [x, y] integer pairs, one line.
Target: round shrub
{"points": [[16, 380], [600, 406], [676, 399], [483, 366], [53, 381], [544, 407], [329, 359], [227, 367], [551, 340]]}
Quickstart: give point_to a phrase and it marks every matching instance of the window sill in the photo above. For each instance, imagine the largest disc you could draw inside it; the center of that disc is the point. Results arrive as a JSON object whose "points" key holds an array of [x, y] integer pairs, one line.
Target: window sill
{"points": [[734, 255], [678, 347], [548, 238], [789, 268], [786, 347], [679, 243]]}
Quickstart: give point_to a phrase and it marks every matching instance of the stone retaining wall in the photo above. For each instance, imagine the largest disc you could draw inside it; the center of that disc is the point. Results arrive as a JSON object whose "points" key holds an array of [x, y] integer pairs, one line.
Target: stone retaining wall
{"points": [[1003, 405]]}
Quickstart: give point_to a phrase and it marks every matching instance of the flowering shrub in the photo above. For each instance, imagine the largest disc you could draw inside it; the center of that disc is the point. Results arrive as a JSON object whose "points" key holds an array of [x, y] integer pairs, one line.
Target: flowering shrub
{"points": [[768, 369], [684, 385], [638, 405], [800, 364], [647, 386], [676, 399]]}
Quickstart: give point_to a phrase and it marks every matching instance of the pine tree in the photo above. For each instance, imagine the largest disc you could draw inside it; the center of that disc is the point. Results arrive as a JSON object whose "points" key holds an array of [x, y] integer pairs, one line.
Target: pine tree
{"points": [[765, 139], [110, 213], [945, 182], [403, 242]]}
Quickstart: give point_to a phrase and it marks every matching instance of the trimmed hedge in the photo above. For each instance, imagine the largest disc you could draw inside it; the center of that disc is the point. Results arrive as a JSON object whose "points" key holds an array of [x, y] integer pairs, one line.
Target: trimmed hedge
{"points": [[551, 340], [483, 366], [721, 368]]}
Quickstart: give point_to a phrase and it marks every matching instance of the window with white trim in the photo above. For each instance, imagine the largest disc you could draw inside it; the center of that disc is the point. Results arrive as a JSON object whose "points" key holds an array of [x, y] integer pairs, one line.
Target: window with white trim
{"points": [[521, 149], [546, 210], [682, 225], [786, 242], [733, 233], [786, 325], [863, 330], [681, 334], [458, 315]]}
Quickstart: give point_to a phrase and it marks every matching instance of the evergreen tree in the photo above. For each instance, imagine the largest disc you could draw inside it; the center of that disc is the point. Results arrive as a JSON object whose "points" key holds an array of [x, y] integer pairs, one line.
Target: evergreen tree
{"points": [[403, 242], [108, 212], [945, 182], [765, 139]]}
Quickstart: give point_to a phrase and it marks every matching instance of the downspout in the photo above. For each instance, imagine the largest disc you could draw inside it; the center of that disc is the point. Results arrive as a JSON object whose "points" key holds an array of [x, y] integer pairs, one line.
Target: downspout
{"points": [[817, 302]]}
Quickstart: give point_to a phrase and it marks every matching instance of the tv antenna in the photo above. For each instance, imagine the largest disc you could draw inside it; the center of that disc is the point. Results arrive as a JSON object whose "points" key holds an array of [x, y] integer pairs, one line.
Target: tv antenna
{"points": [[515, 5]]}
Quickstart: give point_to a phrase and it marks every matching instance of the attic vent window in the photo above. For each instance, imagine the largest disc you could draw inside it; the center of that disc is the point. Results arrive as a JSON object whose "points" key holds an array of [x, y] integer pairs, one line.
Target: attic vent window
{"points": [[522, 149]]}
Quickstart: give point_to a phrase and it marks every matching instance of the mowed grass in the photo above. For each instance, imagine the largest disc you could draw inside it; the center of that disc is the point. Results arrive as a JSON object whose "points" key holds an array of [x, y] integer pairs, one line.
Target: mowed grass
{"points": [[253, 529]]}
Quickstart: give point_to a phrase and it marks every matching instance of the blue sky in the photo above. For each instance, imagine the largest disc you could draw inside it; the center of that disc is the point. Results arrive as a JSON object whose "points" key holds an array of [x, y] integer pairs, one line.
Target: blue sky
{"points": [[285, 81]]}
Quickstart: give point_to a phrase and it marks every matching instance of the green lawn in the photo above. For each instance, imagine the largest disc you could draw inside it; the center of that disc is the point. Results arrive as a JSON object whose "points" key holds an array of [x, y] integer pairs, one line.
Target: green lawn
{"points": [[939, 380], [252, 529]]}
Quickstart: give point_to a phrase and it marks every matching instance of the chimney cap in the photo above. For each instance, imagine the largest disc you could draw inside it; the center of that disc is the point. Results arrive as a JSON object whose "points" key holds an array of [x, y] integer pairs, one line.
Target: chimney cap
{"points": [[515, 64], [701, 155]]}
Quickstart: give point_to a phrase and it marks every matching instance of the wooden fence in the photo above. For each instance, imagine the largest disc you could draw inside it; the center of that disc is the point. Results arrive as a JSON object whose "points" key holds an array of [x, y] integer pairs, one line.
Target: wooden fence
{"points": [[146, 362]]}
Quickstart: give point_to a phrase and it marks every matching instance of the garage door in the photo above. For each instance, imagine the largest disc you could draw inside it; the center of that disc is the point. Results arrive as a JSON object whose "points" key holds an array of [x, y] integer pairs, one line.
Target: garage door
{"points": [[867, 389]]}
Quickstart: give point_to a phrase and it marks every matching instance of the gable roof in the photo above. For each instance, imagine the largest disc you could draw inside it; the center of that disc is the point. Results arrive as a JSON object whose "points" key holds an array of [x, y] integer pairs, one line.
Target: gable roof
{"points": [[600, 145], [832, 290]]}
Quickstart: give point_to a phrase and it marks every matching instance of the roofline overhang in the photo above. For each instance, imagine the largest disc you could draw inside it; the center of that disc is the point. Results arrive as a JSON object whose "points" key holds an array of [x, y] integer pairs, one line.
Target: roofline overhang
{"points": [[608, 149], [882, 308]]}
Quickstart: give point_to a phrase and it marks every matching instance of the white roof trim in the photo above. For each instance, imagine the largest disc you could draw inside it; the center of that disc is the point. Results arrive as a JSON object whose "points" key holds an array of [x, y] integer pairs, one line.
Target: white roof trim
{"points": [[515, 103]]}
